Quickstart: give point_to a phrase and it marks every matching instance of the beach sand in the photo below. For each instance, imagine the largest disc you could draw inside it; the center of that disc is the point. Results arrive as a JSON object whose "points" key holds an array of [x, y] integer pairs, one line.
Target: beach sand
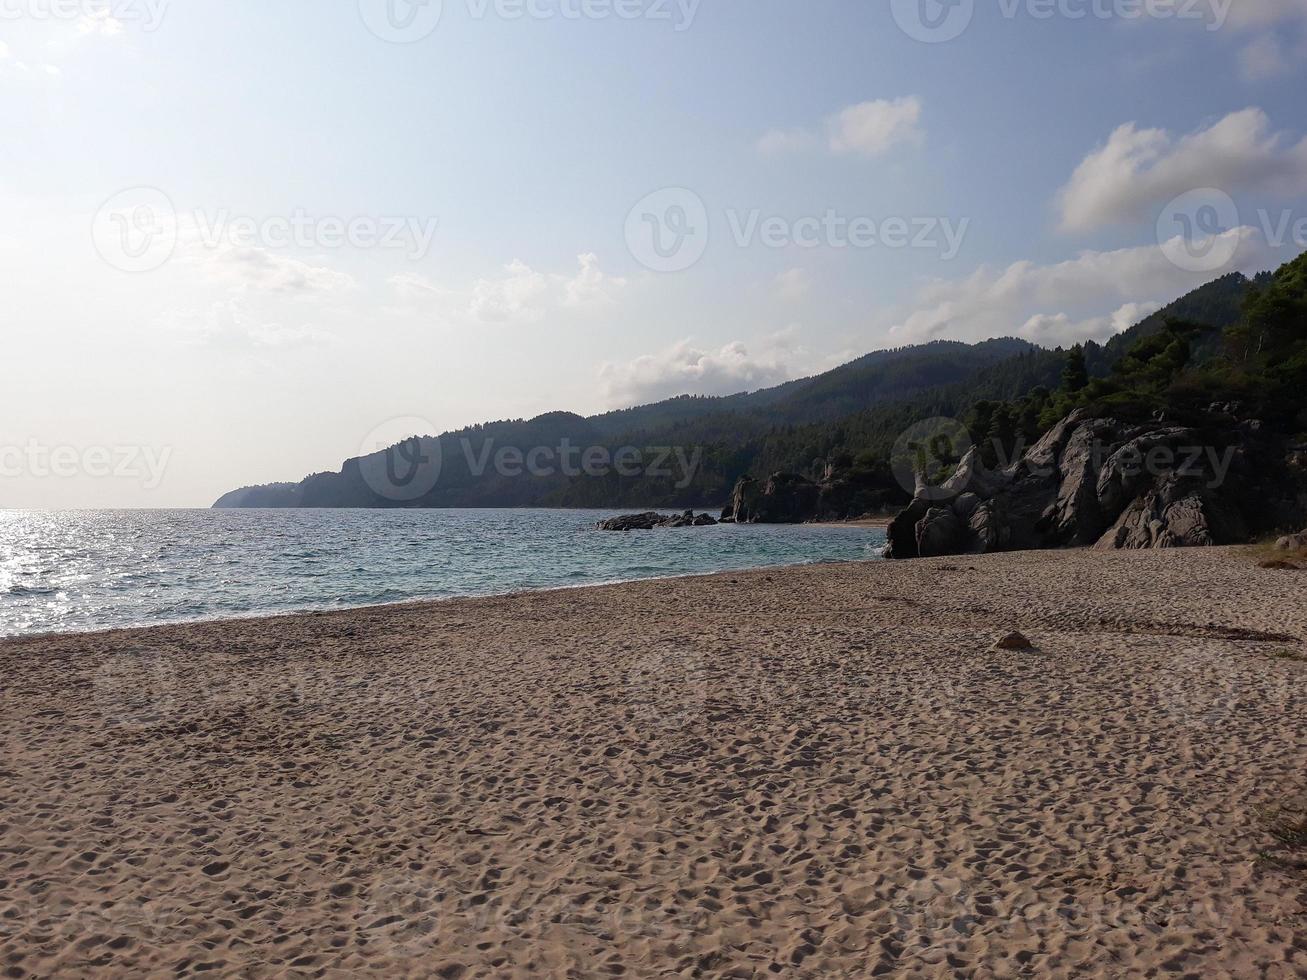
{"points": [[821, 771]]}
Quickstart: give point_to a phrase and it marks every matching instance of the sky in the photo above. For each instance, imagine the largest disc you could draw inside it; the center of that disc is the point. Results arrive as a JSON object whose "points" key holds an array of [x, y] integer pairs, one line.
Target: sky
{"points": [[239, 241]]}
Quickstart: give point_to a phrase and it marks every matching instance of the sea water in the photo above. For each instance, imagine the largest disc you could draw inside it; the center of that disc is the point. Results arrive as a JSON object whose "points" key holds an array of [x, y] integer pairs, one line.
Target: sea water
{"points": [[88, 570]]}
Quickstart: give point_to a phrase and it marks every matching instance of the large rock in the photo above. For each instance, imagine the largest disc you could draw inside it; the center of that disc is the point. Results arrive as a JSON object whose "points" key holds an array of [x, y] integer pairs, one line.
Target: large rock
{"points": [[787, 498], [1101, 482], [652, 520], [938, 533], [1292, 542], [633, 522], [1173, 514]]}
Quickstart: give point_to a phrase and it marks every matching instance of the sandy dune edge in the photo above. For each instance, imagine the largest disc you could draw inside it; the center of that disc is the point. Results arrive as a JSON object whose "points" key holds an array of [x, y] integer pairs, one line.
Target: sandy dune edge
{"points": [[806, 772]]}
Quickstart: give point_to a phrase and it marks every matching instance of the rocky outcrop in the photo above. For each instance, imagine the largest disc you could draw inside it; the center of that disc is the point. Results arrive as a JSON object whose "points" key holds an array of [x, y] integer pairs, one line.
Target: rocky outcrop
{"points": [[938, 533], [787, 498], [1108, 484], [1292, 542], [652, 520]]}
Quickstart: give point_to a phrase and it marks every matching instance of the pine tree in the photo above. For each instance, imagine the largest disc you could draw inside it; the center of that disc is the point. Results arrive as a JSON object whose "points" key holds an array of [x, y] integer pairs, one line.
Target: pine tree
{"points": [[1075, 377]]}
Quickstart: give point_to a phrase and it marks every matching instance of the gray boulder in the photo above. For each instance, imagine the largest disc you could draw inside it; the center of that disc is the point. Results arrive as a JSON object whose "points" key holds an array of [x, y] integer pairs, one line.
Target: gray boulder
{"points": [[652, 520], [1292, 542], [1112, 485], [938, 533]]}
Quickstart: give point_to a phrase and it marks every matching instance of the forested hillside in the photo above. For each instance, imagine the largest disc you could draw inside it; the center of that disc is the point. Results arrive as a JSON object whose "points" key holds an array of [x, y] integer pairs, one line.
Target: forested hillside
{"points": [[847, 418]]}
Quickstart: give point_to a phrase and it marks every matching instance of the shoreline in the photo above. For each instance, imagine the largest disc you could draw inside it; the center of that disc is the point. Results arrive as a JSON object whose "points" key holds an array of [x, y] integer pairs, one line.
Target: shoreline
{"points": [[291, 614], [815, 769]]}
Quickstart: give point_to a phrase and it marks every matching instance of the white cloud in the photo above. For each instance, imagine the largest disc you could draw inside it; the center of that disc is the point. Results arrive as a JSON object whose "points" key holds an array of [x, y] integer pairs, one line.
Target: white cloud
{"points": [[230, 324], [869, 129], [1139, 169], [247, 267], [1094, 293], [873, 128], [4, 50], [793, 284], [1263, 59], [1059, 330], [520, 295], [100, 22], [590, 286], [777, 141], [684, 369], [1248, 14]]}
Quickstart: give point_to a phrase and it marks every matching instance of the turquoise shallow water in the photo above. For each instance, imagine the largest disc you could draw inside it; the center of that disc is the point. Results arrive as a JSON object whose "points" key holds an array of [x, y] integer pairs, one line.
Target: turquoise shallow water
{"points": [[86, 570]]}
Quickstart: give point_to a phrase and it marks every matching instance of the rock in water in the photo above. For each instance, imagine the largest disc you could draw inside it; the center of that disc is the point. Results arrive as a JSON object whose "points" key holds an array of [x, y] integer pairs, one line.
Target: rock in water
{"points": [[1013, 641], [652, 520]]}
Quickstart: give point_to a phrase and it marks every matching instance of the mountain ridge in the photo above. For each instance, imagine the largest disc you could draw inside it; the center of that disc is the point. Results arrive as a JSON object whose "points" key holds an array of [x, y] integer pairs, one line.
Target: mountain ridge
{"points": [[851, 412]]}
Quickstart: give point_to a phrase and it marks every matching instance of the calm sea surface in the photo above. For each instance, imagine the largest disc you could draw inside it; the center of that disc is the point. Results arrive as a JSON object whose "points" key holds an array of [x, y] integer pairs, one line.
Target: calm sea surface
{"points": [[86, 570]]}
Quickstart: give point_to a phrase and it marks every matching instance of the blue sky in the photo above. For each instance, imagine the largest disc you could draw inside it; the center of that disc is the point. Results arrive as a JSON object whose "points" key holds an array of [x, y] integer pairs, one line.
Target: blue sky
{"points": [[521, 145]]}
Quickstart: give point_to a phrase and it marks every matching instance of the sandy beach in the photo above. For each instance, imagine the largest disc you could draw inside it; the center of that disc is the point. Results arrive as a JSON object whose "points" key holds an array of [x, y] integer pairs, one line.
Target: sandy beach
{"points": [[822, 771]]}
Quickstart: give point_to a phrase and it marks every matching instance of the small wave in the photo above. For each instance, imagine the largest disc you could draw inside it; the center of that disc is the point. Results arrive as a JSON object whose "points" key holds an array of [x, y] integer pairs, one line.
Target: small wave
{"points": [[28, 591]]}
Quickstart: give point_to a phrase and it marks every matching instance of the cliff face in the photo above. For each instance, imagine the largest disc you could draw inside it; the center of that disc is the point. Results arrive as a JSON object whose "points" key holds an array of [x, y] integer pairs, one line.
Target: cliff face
{"points": [[786, 498], [1112, 485]]}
